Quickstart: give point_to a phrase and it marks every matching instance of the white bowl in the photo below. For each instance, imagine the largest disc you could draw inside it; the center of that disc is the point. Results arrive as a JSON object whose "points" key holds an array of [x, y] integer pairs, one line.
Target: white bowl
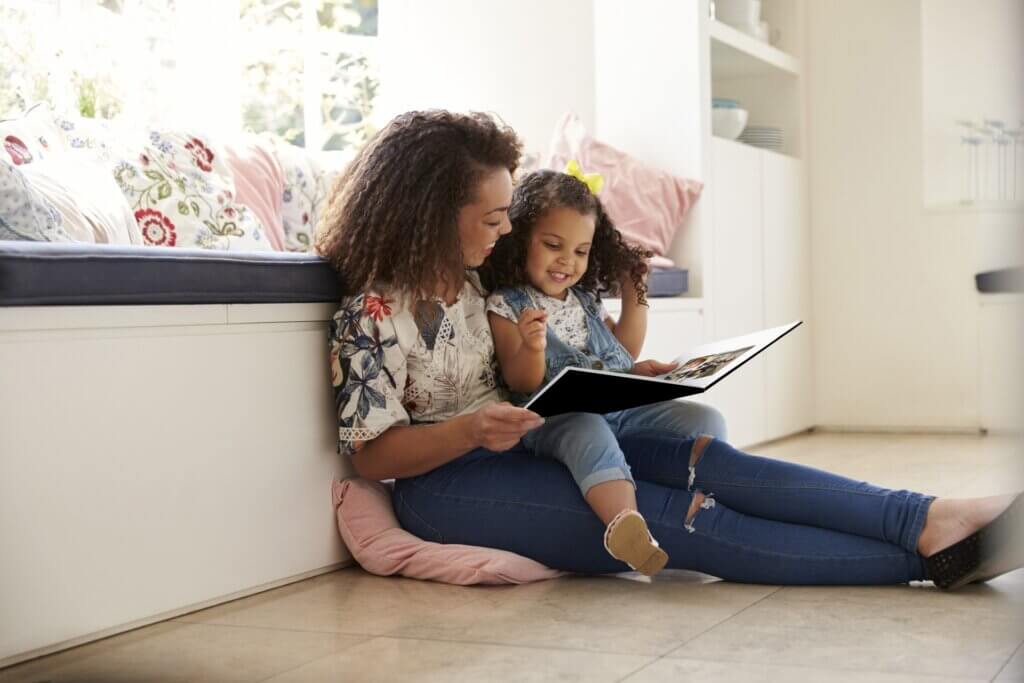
{"points": [[739, 13], [728, 123]]}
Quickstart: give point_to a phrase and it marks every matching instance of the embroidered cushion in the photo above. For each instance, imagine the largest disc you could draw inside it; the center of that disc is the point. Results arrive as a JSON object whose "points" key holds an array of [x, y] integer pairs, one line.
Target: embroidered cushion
{"points": [[31, 137], [78, 189], [308, 180], [370, 530], [95, 137], [24, 213], [646, 204], [181, 193]]}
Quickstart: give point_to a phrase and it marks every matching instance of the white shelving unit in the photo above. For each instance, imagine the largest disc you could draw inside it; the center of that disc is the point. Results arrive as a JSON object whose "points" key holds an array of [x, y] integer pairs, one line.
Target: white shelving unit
{"points": [[735, 54], [760, 275], [746, 243], [765, 79]]}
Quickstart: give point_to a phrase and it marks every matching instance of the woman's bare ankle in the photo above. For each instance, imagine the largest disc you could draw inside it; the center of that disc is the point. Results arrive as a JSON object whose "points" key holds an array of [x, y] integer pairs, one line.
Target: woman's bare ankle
{"points": [[951, 520]]}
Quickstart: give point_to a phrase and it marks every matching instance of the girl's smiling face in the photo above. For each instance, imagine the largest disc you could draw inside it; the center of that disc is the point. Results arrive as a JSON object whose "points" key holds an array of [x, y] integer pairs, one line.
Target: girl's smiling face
{"points": [[559, 250]]}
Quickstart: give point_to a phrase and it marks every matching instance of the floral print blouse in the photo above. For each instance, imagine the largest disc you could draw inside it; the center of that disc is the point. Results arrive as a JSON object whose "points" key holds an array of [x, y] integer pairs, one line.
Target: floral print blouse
{"points": [[397, 363]]}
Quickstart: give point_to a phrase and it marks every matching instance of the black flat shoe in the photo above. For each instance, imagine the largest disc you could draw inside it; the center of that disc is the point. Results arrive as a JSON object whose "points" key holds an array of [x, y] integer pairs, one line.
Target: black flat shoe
{"points": [[991, 551]]}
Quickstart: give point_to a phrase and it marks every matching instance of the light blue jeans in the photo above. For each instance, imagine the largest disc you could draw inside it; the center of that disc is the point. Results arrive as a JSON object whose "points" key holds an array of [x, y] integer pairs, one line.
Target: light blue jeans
{"points": [[588, 444]]}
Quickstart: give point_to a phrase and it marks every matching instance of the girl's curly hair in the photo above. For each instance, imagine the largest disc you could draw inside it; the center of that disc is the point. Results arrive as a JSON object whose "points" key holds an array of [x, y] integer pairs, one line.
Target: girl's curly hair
{"points": [[610, 257], [392, 216]]}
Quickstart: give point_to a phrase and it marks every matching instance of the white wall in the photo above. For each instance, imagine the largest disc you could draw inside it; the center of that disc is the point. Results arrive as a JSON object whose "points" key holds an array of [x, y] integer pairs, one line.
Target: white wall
{"points": [[638, 108], [896, 314], [648, 96], [528, 61], [897, 317]]}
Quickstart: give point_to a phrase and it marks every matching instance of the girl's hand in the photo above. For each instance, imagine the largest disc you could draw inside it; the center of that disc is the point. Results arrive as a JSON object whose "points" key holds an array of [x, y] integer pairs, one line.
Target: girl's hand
{"points": [[652, 368], [628, 291], [499, 426], [626, 277], [533, 328]]}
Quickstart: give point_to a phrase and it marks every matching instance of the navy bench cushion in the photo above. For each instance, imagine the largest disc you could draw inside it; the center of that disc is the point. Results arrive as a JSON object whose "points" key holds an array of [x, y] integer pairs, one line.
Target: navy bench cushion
{"points": [[667, 282], [72, 273], [54, 273]]}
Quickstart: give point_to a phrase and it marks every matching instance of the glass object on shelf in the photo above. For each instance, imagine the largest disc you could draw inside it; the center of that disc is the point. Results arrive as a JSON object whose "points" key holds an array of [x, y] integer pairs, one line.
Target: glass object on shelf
{"points": [[991, 153], [970, 142], [1016, 135], [996, 131], [744, 15]]}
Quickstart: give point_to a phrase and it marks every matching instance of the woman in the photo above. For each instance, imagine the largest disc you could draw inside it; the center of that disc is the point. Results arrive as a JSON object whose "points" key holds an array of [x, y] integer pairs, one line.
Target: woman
{"points": [[412, 364]]}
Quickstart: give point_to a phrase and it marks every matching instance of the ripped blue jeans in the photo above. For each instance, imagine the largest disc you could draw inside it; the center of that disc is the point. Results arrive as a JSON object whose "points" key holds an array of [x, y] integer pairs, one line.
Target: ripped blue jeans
{"points": [[771, 521], [588, 444]]}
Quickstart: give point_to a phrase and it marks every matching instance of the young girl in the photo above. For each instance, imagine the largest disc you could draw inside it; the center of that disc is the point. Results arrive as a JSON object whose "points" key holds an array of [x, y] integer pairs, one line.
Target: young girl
{"points": [[545, 314]]}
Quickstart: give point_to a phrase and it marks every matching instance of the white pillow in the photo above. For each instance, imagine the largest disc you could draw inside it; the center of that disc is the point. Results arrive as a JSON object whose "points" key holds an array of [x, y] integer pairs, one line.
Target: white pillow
{"points": [[24, 213], [90, 203]]}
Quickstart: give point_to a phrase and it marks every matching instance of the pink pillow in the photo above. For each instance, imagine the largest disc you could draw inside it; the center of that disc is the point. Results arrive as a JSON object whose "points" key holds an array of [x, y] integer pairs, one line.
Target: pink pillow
{"points": [[259, 183], [647, 205], [371, 532]]}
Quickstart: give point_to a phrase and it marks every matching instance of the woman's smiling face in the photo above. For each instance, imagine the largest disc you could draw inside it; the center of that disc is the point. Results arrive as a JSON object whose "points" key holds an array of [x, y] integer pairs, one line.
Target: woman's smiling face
{"points": [[482, 222], [559, 250]]}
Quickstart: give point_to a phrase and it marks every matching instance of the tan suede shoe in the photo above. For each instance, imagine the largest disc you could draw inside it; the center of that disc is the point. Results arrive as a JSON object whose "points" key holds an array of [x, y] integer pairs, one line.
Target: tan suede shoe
{"points": [[628, 539]]}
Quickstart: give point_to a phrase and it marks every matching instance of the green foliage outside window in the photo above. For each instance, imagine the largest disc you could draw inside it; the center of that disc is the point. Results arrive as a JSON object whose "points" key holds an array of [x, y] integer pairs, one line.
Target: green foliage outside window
{"points": [[280, 49]]}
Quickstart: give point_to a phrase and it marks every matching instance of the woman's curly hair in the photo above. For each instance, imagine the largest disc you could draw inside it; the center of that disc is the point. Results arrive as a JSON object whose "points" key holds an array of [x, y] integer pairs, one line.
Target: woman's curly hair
{"points": [[392, 216], [610, 257]]}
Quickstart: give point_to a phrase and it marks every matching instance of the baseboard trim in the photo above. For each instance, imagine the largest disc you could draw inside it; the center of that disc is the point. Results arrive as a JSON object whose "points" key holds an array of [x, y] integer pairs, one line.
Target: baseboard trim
{"points": [[910, 430], [865, 430], [167, 616]]}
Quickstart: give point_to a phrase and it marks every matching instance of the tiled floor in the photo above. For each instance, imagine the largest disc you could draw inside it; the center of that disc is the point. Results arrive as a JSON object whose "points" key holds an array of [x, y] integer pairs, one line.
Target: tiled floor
{"points": [[350, 626]]}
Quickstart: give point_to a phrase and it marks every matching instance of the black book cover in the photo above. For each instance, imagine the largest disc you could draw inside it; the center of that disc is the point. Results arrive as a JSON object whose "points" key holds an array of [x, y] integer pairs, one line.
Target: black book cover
{"points": [[581, 390]]}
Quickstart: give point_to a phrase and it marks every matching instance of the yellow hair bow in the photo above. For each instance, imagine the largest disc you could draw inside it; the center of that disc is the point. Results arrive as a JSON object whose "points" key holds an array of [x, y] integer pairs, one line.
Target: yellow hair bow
{"points": [[594, 181]]}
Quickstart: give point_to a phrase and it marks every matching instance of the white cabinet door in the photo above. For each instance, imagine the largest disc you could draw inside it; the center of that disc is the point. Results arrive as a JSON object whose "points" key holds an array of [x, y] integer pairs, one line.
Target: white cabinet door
{"points": [[671, 329], [1001, 368], [789, 406], [737, 281], [669, 334]]}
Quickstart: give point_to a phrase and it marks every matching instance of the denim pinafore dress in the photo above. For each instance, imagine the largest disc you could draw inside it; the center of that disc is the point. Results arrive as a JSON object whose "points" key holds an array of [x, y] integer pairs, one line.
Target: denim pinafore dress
{"points": [[603, 351]]}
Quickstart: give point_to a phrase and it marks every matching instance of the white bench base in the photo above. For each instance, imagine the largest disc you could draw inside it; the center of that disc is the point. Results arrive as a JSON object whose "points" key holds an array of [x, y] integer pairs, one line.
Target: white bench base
{"points": [[158, 459]]}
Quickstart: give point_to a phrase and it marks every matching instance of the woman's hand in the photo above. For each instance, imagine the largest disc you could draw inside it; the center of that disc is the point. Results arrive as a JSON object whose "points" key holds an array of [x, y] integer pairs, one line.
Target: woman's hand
{"points": [[652, 368], [533, 328], [499, 426]]}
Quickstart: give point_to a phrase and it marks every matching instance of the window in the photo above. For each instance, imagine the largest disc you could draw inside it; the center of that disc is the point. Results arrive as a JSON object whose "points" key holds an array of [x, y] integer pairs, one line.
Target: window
{"points": [[304, 69], [309, 69]]}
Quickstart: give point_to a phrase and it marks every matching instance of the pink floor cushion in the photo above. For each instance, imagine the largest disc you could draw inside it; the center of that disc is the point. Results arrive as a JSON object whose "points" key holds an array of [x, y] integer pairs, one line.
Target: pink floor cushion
{"points": [[371, 532]]}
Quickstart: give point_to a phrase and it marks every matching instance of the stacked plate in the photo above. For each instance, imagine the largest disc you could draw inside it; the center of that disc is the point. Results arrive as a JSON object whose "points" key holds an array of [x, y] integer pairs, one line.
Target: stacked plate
{"points": [[766, 137]]}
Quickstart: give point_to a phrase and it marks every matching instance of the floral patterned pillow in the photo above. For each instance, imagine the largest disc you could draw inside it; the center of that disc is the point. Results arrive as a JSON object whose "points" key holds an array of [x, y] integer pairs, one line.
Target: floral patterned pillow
{"points": [[30, 137], [95, 136], [182, 194], [308, 182]]}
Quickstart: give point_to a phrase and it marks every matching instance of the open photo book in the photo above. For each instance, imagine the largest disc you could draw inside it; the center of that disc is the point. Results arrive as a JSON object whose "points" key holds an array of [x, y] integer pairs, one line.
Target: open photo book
{"points": [[582, 390]]}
